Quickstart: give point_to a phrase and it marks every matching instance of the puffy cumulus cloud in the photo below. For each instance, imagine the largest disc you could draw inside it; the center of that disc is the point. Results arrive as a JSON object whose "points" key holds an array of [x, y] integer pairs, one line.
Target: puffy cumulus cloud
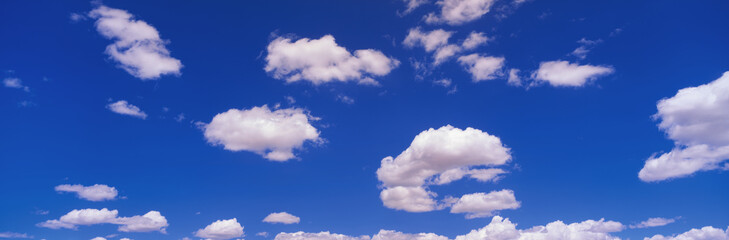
{"points": [[499, 229], [430, 41], [82, 217], [566, 74], [654, 222], [436, 41], [437, 157], [394, 235], [14, 235], [503, 229], [482, 67], [695, 119], [705, 233], [152, 221], [271, 134], [477, 205], [323, 60], [411, 199], [124, 108], [221, 229], [281, 217], [457, 12], [474, 40], [317, 236], [95, 193], [137, 46]]}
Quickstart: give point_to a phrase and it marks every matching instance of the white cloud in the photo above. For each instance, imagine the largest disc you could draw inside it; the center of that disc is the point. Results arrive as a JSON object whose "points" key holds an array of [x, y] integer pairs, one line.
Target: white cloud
{"points": [[435, 41], [14, 235], [124, 108], [152, 221], [137, 46], [431, 41], [15, 83], [503, 229], [411, 199], [457, 12], [221, 229], [705, 233], [654, 222], [125, 239], [695, 119], [474, 40], [477, 205], [316, 236], [413, 4], [262, 234], [82, 217], [98, 238], [281, 217], [482, 68], [565, 74], [394, 235], [514, 78], [444, 53], [437, 157], [95, 193], [271, 134], [323, 60], [584, 48], [499, 229]]}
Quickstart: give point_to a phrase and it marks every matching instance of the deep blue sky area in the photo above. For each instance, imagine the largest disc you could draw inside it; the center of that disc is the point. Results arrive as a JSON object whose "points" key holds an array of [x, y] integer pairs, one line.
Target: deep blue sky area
{"points": [[576, 151]]}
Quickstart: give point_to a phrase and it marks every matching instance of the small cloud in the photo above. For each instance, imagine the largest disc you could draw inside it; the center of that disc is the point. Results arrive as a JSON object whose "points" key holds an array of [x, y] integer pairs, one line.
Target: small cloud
{"points": [[655, 222], [124, 108], [345, 99], [15, 83], [75, 17], [180, 117], [14, 235]]}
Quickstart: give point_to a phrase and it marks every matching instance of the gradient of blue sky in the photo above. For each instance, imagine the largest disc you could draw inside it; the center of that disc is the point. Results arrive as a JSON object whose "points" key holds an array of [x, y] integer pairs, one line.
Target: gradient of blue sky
{"points": [[576, 150]]}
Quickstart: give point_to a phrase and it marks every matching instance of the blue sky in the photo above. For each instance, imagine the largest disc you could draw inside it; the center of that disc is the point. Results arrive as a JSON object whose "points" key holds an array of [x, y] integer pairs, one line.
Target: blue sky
{"points": [[240, 110]]}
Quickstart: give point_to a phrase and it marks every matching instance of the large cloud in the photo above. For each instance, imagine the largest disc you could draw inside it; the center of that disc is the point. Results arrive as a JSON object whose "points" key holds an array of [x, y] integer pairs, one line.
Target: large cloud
{"points": [[696, 120], [221, 229], [272, 134], [95, 193], [152, 221], [317, 236], [323, 60], [566, 74], [503, 229], [499, 229], [281, 217], [440, 156], [457, 12], [705, 233], [137, 46]]}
